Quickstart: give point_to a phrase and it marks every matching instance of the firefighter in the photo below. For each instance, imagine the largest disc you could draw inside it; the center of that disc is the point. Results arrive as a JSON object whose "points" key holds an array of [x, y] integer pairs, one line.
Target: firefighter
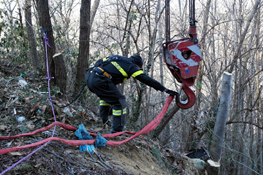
{"points": [[102, 79]]}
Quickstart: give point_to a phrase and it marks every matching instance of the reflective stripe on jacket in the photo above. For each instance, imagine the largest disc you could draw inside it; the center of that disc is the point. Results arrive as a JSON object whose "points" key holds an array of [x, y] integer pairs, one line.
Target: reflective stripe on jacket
{"points": [[122, 68]]}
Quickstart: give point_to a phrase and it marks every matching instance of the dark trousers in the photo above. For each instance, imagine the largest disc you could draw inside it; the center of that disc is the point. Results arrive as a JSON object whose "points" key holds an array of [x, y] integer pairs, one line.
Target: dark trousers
{"points": [[110, 97]]}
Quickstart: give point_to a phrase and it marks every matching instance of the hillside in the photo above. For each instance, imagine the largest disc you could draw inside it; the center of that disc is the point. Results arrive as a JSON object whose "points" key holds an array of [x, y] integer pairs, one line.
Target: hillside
{"points": [[25, 108]]}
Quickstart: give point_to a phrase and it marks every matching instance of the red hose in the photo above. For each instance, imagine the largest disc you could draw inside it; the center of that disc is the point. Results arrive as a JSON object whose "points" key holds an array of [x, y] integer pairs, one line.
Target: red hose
{"points": [[152, 125]]}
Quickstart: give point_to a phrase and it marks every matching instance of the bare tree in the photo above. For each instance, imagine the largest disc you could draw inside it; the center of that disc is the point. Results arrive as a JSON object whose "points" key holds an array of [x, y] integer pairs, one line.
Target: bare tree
{"points": [[83, 58], [93, 11], [31, 36], [57, 64]]}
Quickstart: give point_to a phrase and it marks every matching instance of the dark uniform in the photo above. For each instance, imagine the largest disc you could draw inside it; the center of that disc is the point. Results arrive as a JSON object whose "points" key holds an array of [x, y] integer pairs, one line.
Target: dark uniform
{"points": [[102, 79]]}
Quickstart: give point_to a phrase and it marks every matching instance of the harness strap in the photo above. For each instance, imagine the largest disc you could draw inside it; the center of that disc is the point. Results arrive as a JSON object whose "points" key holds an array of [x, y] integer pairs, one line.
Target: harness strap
{"points": [[101, 71]]}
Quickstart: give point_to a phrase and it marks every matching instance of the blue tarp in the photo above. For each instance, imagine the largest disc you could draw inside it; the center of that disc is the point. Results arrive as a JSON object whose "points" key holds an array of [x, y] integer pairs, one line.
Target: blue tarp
{"points": [[83, 134]]}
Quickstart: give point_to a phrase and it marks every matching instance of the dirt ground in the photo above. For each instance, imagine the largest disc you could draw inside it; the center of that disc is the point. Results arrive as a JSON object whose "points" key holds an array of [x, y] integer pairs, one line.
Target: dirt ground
{"points": [[27, 101]]}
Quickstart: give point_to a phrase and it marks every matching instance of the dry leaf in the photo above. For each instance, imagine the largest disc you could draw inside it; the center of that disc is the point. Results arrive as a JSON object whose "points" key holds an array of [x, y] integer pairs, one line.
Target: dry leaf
{"points": [[43, 109], [8, 103], [35, 108], [56, 98], [57, 109], [149, 147], [30, 126], [61, 116], [139, 147], [38, 165], [63, 120], [9, 144], [98, 129], [33, 90], [213, 163], [56, 55], [180, 166], [15, 111], [16, 153], [3, 127], [27, 99], [17, 103], [68, 151]]}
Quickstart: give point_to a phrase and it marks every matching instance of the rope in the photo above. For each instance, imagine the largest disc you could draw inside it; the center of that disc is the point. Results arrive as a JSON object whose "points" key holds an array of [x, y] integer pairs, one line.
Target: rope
{"points": [[48, 79]]}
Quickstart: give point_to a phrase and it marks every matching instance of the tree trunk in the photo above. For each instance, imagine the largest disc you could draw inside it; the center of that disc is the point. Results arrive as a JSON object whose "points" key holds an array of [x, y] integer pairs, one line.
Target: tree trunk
{"points": [[219, 129], [166, 120], [161, 56], [84, 36], [199, 78], [243, 35], [167, 20], [93, 11], [259, 144], [31, 36], [57, 66]]}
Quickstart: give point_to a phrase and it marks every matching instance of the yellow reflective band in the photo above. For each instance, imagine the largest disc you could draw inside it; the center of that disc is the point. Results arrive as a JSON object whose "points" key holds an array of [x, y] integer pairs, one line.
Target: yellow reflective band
{"points": [[104, 103], [104, 59], [124, 111], [119, 68], [118, 112], [135, 74]]}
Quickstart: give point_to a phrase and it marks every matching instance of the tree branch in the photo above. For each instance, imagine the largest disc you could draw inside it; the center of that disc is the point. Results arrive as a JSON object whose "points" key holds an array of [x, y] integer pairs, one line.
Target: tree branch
{"points": [[245, 122]]}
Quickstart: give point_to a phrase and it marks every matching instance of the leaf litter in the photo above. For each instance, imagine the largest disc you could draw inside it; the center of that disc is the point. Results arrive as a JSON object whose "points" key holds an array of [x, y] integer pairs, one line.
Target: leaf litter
{"points": [[24, 107]]}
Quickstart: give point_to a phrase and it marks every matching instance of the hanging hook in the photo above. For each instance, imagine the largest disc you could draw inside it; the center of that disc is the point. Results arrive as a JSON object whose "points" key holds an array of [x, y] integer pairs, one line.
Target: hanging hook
{"points": [[189, 102]]}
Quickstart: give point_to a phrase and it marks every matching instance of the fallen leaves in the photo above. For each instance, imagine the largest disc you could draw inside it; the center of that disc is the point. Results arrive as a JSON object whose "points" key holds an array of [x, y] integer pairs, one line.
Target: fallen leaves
{"points": [[3, 127], [30, 125], [35, 108], [98, 130], [16, 153], [11, 101], [28, 99], [9, 143]]}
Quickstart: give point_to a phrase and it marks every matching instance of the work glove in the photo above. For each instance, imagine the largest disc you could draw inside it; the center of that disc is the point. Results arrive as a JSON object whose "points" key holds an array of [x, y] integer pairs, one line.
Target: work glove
{"points": [[170, 92]]}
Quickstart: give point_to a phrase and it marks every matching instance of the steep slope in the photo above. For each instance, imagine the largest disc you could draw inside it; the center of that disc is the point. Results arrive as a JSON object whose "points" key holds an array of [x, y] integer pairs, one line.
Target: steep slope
{"points": [[24, 107]]}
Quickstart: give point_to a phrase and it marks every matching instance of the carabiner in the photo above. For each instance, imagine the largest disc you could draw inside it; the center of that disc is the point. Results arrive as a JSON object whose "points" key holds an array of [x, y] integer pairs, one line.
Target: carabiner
{"points": [[189, 102]]}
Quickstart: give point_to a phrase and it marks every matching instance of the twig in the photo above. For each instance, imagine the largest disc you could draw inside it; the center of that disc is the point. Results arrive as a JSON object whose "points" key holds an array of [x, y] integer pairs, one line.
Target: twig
{"points": [[102, 163], [95, 161], [9, 81], [98, 154], [12, 102], [64, 159], [54, 153]]}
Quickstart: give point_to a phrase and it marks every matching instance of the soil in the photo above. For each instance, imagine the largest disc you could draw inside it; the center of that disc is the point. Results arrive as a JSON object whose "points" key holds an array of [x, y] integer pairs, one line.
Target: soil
{"points": [[30, 102]]}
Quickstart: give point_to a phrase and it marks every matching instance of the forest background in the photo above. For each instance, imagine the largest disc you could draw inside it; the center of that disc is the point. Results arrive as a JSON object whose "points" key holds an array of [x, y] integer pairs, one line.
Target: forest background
{"points": [[230, 34]]}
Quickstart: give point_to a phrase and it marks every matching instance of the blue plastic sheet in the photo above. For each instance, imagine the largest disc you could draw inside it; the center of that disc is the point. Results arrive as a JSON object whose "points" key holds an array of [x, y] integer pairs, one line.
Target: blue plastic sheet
{"points": [[100, 141], [83, 134]]}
